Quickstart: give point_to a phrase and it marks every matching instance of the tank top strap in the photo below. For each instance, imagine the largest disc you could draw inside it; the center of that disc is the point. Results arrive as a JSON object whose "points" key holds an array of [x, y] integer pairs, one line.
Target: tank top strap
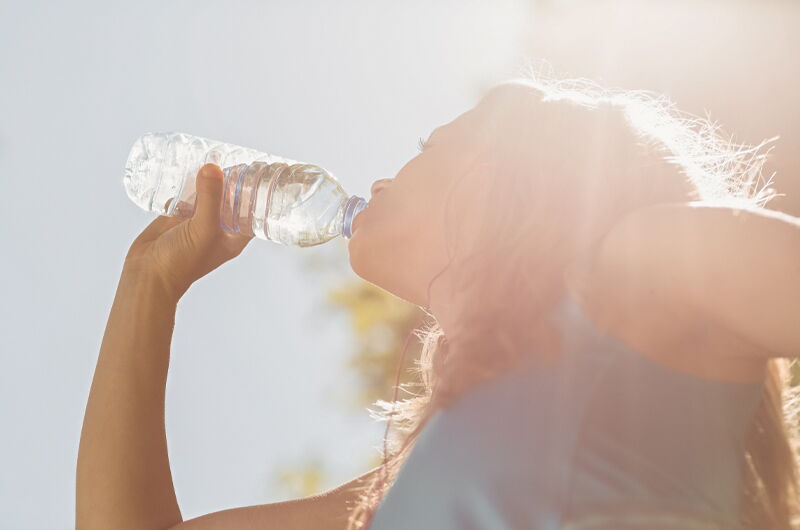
{"points": [[582, 341]]}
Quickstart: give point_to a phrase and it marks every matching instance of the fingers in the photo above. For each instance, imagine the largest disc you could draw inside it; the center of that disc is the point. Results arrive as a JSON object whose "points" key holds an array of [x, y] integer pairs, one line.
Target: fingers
{"points": [[209, 185]]}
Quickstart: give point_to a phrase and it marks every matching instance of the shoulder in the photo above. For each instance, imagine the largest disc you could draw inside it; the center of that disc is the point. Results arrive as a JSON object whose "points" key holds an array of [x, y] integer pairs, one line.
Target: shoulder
{"points": [[658, 281], [736, 267]]}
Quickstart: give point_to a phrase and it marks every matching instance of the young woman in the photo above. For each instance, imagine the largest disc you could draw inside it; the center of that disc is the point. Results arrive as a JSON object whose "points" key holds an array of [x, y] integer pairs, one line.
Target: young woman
{"points": [[612, 315]]}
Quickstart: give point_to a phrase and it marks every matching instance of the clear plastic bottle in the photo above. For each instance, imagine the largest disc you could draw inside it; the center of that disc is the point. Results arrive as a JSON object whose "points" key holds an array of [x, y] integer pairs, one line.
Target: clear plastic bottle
{"points": [[265, 196]]}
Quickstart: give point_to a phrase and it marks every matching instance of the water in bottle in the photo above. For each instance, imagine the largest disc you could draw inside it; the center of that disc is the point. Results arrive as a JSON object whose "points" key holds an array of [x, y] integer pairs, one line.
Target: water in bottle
{"points": [[266, 196]]}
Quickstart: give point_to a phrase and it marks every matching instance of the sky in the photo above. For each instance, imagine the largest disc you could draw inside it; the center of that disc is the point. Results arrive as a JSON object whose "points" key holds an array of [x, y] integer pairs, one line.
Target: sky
{"points": [[257, 379]]}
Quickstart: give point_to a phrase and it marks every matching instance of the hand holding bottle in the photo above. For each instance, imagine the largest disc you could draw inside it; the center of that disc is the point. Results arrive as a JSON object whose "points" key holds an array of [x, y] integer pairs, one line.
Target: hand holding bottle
{"points": [[266, 196], [176, 250]]}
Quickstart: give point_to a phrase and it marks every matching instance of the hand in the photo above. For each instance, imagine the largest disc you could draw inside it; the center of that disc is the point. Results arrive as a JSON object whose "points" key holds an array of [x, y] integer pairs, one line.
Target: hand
{"points": [[178, 251]]}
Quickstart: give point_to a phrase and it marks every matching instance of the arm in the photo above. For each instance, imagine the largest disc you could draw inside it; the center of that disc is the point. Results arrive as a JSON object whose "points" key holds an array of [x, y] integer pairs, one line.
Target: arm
{"points": [[326, 511], [738, 267], [123, 477], [123, 474]]}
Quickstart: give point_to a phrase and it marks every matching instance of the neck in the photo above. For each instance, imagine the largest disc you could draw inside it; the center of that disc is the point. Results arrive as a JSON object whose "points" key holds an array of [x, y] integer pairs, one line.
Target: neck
{"points": [[446, 306], [442, 302]]}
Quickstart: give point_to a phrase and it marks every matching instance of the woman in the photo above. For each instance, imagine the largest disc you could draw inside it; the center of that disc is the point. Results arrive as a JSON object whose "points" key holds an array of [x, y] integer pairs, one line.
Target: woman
{"points": [[612, 312]]}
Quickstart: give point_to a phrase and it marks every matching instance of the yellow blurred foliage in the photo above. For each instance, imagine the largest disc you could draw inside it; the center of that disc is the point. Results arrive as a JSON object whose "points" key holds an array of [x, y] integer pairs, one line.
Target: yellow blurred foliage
{"points": [[381, 322], [303, 481]]}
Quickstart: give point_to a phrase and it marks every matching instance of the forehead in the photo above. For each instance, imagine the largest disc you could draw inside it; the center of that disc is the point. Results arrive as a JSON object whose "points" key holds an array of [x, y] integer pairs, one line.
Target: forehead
{"points": [[466, 127], [473, 124]]}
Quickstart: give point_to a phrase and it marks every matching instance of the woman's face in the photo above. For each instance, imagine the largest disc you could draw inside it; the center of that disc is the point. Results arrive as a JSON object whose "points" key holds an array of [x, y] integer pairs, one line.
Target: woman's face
{"points": [[400, 240]]}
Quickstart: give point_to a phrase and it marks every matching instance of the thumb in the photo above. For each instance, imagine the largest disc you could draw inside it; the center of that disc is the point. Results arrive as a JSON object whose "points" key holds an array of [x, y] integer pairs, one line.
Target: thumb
{"points": [[209, 185]]}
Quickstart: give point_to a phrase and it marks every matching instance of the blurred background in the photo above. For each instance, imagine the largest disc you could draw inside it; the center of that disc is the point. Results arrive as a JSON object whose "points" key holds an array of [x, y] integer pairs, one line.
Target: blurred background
{"points": [[277, 355]]}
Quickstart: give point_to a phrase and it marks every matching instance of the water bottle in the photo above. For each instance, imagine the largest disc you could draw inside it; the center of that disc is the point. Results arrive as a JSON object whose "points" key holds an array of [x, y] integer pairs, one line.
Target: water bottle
{"points": [[265, 196]]}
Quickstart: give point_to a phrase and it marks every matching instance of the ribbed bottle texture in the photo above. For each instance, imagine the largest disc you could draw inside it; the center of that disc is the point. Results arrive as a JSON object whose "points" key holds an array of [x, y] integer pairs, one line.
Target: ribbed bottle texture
{"points": [[266, 196]]}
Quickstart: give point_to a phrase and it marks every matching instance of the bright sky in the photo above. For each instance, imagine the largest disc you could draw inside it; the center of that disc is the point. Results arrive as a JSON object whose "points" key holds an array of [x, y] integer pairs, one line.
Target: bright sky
{"points": [[257, 380]]}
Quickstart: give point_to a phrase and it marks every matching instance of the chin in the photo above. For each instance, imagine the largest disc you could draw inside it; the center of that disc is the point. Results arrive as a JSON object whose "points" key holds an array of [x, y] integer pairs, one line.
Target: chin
{"points": [[368, 261], [359, 255]]}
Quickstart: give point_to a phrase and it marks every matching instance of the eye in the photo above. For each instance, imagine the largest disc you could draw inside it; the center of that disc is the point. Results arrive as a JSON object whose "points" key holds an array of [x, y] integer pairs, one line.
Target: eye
{"points": [[422, 144]]}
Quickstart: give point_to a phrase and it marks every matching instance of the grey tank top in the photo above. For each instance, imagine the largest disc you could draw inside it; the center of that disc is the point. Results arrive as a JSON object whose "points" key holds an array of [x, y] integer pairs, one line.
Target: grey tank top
{"points": [[604, 431]]}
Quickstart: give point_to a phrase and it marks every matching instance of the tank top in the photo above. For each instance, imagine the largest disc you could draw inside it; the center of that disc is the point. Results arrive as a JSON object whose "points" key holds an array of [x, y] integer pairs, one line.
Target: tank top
{"points": [[596, 439]]}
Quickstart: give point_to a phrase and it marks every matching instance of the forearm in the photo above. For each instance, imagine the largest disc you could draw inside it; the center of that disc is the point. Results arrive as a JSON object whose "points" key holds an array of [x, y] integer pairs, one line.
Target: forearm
{"points": [[123, 473]]}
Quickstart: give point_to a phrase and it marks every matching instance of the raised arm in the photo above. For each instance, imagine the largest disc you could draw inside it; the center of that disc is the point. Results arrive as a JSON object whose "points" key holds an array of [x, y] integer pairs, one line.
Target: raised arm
{"points": [[123, 477], [738, 267], [123, 474]]}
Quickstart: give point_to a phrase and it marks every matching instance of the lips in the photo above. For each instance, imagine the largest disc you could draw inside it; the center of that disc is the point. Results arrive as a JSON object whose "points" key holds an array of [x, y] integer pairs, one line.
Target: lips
{"points": [[357, 219]]}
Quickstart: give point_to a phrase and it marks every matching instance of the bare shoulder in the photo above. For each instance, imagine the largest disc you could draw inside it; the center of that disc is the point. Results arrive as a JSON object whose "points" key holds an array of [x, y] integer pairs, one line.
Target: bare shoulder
{"points": [[709, 290], [327, 510]]}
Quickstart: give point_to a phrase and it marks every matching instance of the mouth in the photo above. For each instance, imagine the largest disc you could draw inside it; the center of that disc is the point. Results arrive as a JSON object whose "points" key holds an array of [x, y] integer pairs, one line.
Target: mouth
{"points": [[357, 219]]}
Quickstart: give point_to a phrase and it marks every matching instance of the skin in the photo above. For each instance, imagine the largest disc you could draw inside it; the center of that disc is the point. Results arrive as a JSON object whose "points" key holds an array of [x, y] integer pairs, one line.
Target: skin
{"points": [[400, 241], [709, 290], [125, 411], [655, 263], [123, 477]]}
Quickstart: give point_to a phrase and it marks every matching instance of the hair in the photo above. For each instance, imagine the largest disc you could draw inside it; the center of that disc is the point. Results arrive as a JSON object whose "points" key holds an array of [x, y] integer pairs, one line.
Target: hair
{"points": [[626, 150]]}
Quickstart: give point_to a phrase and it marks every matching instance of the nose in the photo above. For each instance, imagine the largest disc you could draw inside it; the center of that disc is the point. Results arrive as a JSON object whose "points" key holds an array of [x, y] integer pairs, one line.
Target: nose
{"points": [[378, 185]]}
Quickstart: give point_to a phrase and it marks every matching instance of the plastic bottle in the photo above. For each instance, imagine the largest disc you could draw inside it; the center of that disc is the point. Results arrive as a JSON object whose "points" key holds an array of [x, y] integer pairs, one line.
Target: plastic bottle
{"points": [[266, 196]]}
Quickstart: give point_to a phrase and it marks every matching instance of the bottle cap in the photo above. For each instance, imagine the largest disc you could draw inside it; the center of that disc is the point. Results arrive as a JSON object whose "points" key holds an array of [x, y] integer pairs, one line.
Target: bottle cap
{"points": [[351, 208]]}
